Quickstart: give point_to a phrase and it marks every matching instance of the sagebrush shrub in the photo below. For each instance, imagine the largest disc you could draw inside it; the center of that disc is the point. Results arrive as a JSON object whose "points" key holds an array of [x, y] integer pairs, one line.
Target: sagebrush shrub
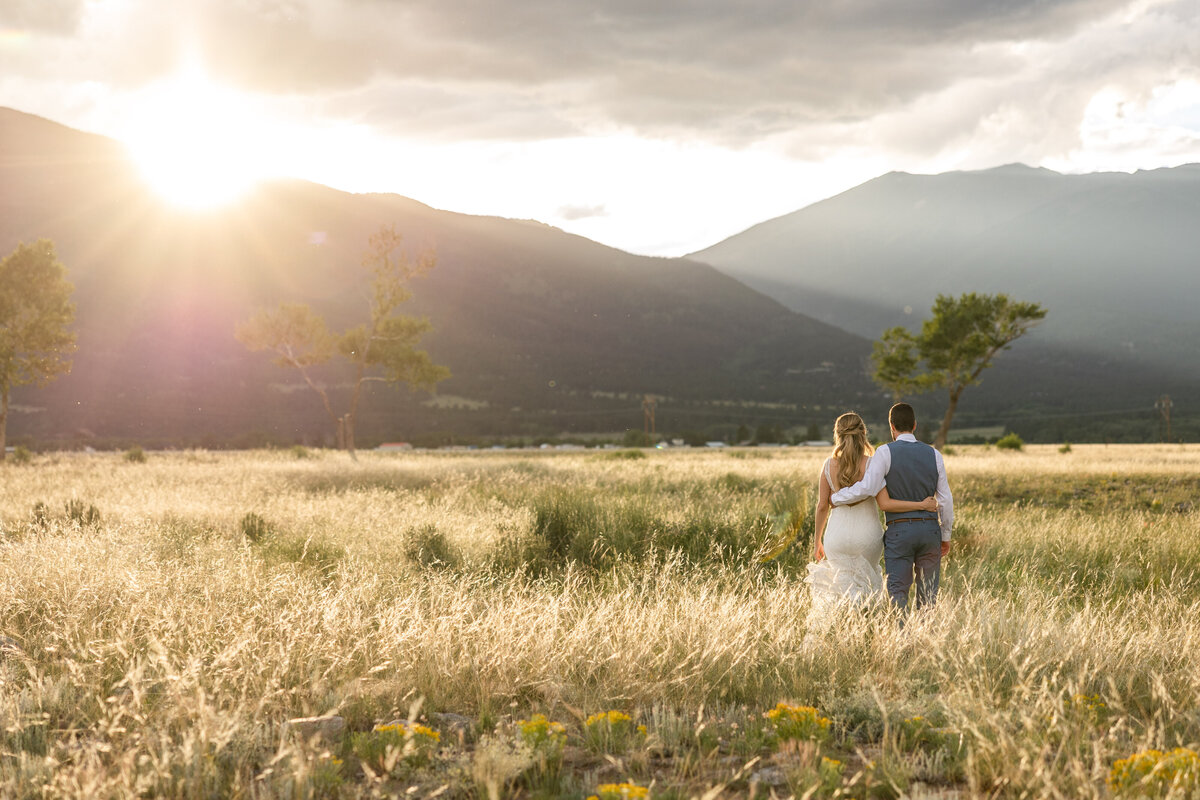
{"points": [[1010, 441], [83, 514], [254, 527]]}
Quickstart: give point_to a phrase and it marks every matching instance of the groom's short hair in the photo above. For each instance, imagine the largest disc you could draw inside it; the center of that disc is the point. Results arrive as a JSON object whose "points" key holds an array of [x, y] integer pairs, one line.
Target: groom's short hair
{"points": [[902, 417]]}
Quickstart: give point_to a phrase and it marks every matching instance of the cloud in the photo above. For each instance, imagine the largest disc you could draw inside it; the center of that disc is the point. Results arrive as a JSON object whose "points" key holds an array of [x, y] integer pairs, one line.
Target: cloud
{"points": [[56, 17], [943, 83], [571, 213], [731, 72]]}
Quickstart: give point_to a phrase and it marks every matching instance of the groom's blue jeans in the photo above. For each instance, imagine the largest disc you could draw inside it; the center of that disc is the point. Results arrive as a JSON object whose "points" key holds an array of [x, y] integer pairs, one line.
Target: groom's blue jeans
{"points": [[913, 550]]}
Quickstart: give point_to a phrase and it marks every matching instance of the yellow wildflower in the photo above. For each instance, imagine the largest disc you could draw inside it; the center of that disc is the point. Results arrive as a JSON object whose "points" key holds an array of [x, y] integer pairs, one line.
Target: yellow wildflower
{"points": [[798, 722], [413, 730], [611, 717], [540, 733], [621, 791], [1155, 772]]}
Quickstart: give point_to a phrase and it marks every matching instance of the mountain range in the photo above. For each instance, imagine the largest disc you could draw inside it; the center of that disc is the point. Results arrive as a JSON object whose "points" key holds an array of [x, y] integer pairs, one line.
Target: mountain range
{"points": [[547, 332], [1112, 256], [543, 331]]}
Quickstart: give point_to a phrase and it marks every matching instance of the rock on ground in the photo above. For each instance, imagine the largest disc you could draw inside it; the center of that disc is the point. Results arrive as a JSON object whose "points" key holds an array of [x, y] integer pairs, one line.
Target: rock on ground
{"points": [[328, 728]]}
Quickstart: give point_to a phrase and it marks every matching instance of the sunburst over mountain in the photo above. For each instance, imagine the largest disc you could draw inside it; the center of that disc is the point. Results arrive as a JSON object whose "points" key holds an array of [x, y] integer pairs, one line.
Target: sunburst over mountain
{"points": [[543, 331]]}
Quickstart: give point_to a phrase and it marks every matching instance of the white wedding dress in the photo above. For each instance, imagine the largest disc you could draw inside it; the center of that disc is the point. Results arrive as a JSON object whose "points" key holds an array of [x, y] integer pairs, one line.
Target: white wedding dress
{"points": [[850, 573]]}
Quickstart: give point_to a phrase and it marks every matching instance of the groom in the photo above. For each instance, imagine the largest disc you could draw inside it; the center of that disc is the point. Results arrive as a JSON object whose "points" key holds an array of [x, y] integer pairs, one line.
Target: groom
{"points": [[914, 541]]}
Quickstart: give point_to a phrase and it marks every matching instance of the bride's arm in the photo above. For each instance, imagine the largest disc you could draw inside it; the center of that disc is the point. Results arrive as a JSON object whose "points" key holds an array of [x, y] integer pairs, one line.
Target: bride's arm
{"points": [[886, 503], [822, 516]]}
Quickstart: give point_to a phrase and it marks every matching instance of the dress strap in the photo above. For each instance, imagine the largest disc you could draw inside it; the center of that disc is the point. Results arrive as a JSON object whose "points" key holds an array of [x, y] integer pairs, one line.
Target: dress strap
{"points": [[828, 477]]}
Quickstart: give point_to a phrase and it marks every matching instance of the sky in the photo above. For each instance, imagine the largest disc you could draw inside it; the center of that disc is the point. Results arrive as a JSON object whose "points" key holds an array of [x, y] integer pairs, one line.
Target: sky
{"points": [[656, 126]]}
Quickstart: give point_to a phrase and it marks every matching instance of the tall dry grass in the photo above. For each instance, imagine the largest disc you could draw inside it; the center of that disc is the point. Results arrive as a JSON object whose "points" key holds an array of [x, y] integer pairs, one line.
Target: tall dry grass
{"points": [[163, 646]]}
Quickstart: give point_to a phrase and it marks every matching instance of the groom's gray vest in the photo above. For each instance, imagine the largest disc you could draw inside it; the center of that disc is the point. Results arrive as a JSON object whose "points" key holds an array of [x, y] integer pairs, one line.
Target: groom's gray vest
{"points": [[912, 476]]}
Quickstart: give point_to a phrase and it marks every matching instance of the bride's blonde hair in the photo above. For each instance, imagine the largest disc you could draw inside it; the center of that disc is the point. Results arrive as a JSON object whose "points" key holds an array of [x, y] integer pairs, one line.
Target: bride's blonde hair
{"points": [[850, 447]]}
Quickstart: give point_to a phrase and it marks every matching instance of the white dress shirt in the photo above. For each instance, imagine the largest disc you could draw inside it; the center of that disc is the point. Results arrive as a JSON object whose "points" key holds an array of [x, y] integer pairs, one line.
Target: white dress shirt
{"points": [[875, 479]]}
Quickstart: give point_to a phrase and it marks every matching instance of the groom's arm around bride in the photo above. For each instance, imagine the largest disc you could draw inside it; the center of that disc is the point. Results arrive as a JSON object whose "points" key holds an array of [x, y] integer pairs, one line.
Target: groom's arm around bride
{"points": [[876, 478]]}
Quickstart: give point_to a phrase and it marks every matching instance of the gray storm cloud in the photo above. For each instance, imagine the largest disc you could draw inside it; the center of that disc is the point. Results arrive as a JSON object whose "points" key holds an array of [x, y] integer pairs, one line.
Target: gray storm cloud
{"points": [[810, 72]]}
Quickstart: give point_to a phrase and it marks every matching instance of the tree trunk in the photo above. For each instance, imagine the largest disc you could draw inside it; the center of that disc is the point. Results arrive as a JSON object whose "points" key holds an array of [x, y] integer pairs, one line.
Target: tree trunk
{"points": [[348, 427], [3, 423], [354, 398], [337, 423], [944, 431]]}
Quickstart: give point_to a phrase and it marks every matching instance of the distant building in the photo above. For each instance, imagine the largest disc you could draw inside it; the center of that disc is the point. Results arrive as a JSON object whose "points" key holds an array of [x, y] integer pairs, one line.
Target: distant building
{"points": [[715, 444], [391, 447]]}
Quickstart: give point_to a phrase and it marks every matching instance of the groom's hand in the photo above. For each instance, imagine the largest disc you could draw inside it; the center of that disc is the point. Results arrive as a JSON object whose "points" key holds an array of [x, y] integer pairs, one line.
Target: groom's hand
{"points": [[945, 549]]}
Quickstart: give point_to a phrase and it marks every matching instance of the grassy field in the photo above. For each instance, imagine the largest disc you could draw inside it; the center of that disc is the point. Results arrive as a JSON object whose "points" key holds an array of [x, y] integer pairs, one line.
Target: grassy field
{"points": [[167, 618]]}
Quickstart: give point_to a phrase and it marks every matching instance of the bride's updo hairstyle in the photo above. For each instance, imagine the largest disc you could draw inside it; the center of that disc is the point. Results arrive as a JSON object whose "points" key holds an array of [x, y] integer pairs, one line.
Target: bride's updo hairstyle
{"points": [[850, 447]]}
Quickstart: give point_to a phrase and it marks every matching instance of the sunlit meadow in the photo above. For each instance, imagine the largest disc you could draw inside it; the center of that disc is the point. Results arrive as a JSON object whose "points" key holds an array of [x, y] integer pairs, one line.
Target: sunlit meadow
{"points": [[166, 618]]}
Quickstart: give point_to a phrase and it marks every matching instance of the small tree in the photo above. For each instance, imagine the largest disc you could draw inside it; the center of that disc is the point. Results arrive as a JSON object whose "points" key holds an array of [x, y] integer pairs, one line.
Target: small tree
{"points": [[386, 341], [35, 311], [956, 345], [767, 434]]}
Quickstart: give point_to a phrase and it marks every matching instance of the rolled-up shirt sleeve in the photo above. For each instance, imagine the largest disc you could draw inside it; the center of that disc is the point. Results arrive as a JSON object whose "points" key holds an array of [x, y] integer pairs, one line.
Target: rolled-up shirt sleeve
{"points": [[944, 498], [872, 481]]}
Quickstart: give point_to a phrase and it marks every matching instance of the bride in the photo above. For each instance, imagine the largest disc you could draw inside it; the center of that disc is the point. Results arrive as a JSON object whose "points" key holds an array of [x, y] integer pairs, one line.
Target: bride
{"points": [[847, 552]]}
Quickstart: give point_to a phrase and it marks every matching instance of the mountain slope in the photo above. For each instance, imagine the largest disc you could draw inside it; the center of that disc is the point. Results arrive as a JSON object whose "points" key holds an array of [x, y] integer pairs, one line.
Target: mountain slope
{"points": [[544, 331], [1111, 255]]}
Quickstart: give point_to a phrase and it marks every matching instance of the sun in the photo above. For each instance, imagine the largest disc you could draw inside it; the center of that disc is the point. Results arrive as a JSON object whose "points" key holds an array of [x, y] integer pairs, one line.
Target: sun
{"points": [[198, 144]]}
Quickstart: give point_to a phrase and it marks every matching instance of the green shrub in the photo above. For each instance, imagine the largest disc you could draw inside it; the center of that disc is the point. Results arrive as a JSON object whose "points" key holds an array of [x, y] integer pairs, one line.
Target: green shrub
{"points": [[1065, 448], [577, 525], [255, 528], [428, 547], [635, 438], [83, 514], [918, 732], [1010, 441], [300, 452], [623, 455], [135, 455], [21, 455], [561, 516], [738, 484], [310, 552]]}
